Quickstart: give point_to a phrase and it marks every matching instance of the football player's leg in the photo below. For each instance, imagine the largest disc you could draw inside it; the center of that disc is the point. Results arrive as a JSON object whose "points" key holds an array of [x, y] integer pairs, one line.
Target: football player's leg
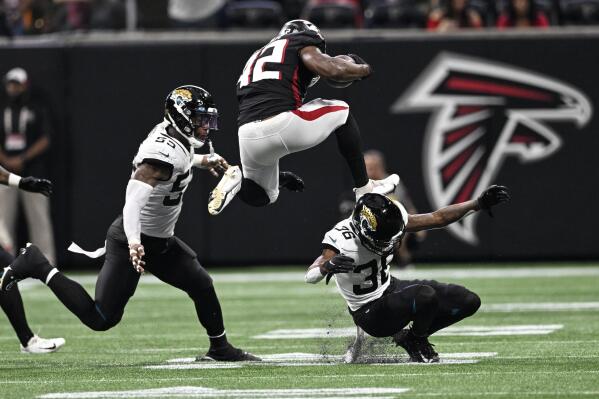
{"points": [[12, 305], [180, 268], [455, 303]]}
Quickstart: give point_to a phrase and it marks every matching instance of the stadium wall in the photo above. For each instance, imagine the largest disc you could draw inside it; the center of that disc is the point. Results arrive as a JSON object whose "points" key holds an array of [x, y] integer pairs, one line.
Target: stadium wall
{"points": [[534, 94]]}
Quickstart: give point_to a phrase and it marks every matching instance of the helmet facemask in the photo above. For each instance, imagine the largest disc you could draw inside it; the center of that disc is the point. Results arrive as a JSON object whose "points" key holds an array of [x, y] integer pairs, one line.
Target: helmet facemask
{"points": [[190, 116]]}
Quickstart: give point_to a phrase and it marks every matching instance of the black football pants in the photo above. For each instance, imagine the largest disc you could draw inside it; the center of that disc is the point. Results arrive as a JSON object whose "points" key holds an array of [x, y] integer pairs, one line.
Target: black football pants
{"points": [[12, 304], [430, 305], [169, 259]]}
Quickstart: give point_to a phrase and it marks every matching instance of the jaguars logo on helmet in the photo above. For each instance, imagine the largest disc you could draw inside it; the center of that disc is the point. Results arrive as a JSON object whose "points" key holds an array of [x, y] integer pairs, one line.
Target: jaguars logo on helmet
{"points": [[189, 108], [380, 222]]}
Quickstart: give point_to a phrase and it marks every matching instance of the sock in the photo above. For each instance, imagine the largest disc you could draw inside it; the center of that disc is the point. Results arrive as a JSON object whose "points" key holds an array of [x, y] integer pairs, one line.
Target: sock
{"points": [[350, 147], [210, 316], [12, 305]]}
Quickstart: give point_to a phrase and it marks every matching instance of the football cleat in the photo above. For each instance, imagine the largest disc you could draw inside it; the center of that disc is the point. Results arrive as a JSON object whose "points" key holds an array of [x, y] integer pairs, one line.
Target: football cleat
{"points": [[418, 348], [31, 262], [225, 191], [228, 353], [42, 345], [291, 181], [383, 186]]}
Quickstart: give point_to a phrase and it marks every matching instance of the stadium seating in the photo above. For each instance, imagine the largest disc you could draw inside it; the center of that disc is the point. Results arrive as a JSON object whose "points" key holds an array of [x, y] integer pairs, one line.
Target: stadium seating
{"points": [[334, 13], [394, 14], [580, 12], [254, 14]]}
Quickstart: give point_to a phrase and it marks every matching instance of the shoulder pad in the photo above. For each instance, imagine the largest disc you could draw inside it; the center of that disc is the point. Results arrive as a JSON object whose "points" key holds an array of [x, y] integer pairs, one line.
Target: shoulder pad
{"points": [[305, 39]]}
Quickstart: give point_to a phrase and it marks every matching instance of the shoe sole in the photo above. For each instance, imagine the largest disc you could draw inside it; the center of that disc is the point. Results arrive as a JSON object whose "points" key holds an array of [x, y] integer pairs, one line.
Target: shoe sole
{"points": [[219, 198]]}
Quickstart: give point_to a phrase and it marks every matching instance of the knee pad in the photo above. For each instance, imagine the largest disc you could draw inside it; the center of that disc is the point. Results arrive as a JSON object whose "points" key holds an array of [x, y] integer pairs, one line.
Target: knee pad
{"points": [[253, 194]]}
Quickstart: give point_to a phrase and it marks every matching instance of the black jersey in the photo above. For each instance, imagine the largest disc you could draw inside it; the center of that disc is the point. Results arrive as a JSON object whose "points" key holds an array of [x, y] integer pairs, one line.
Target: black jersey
{"points": [[274, 79]]}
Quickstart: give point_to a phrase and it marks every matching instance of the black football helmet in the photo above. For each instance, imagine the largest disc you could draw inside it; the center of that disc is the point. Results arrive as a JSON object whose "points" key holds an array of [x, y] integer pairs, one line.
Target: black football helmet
{"points": [[189, 108], [297, 26], [380, 222]]}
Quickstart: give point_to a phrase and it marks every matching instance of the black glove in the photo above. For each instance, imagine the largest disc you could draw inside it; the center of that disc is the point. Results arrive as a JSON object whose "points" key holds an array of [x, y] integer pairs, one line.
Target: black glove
{"points": [[291, 181], [492, 196], [360, 61], [36, 185], [339, 264]]}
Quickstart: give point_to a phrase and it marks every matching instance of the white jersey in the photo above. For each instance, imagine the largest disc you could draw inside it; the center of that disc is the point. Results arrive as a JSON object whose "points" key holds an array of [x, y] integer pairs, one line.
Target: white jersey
{"points": [[159, 216], [370, 278]]}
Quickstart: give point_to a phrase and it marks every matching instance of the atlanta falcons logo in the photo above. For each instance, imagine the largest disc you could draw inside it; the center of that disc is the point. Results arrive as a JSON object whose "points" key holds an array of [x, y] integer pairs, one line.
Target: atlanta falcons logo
{"points": [[484, 112]]}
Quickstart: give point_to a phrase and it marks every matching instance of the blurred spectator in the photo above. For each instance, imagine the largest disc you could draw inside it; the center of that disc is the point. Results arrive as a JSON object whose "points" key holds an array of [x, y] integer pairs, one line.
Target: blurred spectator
{"points": [[579, 12], [456, 15], [24, 139], [522, 14], [71, 15], [196, 14], [254, 14], [396, 14], [108, 15], [376, 169]]}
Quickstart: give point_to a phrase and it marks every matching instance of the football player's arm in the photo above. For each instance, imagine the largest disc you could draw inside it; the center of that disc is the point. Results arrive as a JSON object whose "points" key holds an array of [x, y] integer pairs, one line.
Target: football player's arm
{"points": [[139, 189], [213, 162], [445, 216], [331, 67], [32, 184], [316, 271]]}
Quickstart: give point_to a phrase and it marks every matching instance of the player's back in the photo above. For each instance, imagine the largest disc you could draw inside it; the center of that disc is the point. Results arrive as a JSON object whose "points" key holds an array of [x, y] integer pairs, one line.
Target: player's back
{"points": [[274, 79], [159, 216]]}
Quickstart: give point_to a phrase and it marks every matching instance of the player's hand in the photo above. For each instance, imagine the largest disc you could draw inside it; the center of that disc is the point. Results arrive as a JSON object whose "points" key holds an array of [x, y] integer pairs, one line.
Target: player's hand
{"points": [[35, 185], [492, 196], [360, 61], [338, 264], [136, 254], [215, 164]]}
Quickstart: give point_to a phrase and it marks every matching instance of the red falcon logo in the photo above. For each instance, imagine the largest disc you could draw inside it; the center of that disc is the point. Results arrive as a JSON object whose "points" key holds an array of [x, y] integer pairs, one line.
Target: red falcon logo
{"points": [[483, 112]]}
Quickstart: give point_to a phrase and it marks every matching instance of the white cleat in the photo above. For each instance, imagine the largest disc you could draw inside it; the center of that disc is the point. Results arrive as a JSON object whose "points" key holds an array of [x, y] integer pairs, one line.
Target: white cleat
{"points": [[225, 191], [42, 345], [384, 186]]}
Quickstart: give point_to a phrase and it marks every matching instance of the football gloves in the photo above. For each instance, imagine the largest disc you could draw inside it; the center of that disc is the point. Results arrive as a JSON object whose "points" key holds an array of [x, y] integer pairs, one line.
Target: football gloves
{"points": [[492, 196], [338, 264], [360, 61], [35, 185]]}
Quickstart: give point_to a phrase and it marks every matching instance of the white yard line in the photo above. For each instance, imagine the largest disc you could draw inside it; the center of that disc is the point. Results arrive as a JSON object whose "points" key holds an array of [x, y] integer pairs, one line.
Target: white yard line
{"points": [[539, 307], [202, 392], [305, 333]]}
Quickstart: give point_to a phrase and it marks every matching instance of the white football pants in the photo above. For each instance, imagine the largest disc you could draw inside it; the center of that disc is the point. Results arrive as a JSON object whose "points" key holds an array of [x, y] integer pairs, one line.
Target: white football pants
{"points": [[263, 143]]}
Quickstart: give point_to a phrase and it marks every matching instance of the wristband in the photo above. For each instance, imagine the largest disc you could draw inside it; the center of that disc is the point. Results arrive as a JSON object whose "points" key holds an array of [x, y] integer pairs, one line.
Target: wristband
{"points": [[14, 180]]}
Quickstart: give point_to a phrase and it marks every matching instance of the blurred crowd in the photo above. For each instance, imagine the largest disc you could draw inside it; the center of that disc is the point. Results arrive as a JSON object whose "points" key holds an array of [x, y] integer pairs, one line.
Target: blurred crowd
{"points": [[31, 17]]}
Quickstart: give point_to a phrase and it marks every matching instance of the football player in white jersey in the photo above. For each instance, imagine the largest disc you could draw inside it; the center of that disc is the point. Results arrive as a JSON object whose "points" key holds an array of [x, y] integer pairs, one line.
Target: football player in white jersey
{"points": [[143, 237], [357, 252]]}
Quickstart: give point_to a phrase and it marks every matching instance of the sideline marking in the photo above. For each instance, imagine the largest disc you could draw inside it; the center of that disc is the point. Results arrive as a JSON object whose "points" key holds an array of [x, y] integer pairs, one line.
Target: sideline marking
{"points": [[479, 331], [201, 392]]}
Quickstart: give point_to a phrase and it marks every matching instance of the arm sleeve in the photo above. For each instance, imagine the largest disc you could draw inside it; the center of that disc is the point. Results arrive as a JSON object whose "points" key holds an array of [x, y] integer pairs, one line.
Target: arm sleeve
{"points": [[138, 194], [313, 275]]}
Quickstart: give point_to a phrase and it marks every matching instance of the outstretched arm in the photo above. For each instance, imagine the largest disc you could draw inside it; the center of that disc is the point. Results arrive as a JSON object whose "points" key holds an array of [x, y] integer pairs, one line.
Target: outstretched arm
{"points": [[32, 184], [445, 216], [139, 189], [332, 67]]}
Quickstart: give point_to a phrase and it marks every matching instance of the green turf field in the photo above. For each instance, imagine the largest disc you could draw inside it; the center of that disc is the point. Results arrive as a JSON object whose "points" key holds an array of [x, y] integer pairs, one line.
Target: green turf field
{"points": [[537, 335]]}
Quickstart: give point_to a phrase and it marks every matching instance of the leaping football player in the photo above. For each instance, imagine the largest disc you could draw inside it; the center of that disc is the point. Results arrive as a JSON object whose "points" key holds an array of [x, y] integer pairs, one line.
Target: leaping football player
{"points": [[357, 252], [11, 302], [143, 237], [274, 122]]}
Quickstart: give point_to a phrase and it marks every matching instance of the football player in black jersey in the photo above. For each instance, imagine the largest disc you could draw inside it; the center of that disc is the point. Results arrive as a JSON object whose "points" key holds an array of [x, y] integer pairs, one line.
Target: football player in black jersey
{"points": [[11, 302], [143, 236], [274, 121]]}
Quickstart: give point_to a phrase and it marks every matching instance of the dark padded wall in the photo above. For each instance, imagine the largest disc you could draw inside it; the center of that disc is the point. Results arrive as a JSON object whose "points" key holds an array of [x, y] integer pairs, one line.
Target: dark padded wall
{"points": [[107, 98]]}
